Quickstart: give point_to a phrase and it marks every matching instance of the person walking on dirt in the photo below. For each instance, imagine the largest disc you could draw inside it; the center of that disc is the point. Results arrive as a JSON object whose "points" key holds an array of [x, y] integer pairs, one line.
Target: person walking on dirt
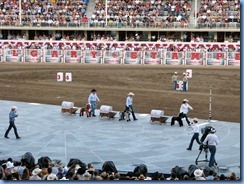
{"points": [[195, 131], [12, 115], [211, 141], [129, 105], [184, 108], [175, 80], [92, 99]]}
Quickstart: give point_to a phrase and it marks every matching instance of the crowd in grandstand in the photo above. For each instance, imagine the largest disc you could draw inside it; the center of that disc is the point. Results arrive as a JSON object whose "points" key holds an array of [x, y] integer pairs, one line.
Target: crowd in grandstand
{"points": [[46, 169], [132, 13]]}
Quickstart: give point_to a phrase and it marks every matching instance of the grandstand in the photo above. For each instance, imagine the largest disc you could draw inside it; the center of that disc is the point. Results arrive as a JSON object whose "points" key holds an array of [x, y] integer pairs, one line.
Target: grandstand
{"points": [[135, 20]]}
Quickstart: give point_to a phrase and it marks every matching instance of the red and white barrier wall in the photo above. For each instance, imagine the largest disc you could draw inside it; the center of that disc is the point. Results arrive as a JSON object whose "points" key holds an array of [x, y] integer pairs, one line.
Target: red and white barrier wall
{"points": [[177, 53]]}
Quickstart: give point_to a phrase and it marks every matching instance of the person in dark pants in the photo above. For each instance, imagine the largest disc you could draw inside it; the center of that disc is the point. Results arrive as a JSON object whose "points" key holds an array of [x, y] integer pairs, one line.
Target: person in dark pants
{"points": [[175, 80], [92, 99], [195, 133], [129, 105], [12, 115], [184, 108], [211, 141], [185, 80]]}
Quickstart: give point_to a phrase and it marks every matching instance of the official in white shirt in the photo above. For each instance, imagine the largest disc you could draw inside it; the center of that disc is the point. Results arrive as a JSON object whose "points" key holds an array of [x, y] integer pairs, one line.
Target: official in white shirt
{"points": [[184, 108], [195, 131], [129, 105], [92, 99]]}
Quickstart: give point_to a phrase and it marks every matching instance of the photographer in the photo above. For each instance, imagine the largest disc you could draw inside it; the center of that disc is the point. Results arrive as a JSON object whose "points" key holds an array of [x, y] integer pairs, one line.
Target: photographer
{"points": [[211, 141]]}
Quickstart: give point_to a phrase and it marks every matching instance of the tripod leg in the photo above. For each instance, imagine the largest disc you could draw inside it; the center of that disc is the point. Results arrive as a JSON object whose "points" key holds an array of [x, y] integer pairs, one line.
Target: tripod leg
{"points": [[196, 162]]}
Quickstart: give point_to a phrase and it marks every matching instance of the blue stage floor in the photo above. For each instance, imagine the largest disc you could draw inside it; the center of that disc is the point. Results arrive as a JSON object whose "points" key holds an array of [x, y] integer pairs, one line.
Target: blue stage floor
{"points": [[45, 131]]}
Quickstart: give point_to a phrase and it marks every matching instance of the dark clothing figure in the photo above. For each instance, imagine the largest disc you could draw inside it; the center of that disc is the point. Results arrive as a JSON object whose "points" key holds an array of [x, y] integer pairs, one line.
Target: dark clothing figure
{"points": [[12, 115], [177, 118]]}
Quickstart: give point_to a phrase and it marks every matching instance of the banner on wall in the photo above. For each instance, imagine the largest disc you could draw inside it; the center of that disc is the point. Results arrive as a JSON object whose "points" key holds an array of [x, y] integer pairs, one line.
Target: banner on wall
{"points": [[33, 55], [14, 55], [216, 58], [93, 56], [195, 58], [112, 57], [72, 56], [53, 56], [179, 86], [133, 57], [152, 57], [174, 58], [233, 59]]}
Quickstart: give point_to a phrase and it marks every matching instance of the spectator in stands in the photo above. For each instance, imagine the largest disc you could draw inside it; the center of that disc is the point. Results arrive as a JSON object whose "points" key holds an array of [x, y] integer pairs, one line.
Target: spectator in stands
{"points": [[36, 174], [199, 175]]}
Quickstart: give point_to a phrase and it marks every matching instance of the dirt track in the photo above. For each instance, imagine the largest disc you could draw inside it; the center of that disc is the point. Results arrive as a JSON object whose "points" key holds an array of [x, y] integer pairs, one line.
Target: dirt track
{"points": [[152, 86]]}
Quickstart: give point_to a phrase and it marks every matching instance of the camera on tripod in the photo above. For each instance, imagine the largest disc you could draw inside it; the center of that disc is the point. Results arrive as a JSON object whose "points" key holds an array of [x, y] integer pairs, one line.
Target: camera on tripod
{"points": [[205, 131]]}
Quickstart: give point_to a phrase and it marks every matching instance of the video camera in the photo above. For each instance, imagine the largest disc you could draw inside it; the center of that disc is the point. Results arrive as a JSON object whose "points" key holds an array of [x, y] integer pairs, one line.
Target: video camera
{"points": [[205, 131]]}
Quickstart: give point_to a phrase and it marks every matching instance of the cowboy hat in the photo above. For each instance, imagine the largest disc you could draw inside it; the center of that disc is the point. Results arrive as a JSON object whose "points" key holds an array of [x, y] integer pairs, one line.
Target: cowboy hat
{"points": [[176, 72], [184, 73], [131, 94], [198, 173], [93, 90], [13, 107], [36, 171], [185, 100], [15, 170]]}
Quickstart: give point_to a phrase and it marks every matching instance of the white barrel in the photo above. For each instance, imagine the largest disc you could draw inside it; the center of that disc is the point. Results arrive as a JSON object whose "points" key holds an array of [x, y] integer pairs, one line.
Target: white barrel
{"points": [[157, 113], [68, 77], [67, 105], [106, 108], [189, 73], [60, 76]]}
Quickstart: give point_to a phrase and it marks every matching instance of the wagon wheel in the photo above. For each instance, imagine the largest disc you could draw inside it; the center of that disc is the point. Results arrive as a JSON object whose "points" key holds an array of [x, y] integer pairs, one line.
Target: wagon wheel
{"points": [[152, 122], [100, 116], [64, 111]]}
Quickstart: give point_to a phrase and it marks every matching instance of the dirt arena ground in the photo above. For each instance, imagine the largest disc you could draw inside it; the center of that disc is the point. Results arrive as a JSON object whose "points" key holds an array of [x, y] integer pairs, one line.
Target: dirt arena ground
{"points": [[37, 82]]}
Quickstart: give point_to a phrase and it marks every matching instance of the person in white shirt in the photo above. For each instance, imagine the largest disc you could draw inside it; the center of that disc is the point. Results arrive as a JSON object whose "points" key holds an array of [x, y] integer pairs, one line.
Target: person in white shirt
{"points": [[175, 80], [211, 141], [129, 105], [195, 131], [184, 108], [185, 80], [92, 100]]}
